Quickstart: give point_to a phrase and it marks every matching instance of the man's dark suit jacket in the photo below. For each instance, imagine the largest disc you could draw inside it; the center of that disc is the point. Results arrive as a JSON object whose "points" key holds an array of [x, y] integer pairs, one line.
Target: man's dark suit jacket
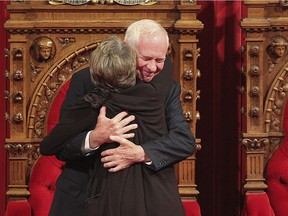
{"points": [[178, 144]]}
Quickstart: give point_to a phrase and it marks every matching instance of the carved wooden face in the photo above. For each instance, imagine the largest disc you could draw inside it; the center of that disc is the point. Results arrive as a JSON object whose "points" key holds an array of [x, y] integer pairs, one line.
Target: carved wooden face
{"points": [[279, 50], [278, 47], [42, 49]]}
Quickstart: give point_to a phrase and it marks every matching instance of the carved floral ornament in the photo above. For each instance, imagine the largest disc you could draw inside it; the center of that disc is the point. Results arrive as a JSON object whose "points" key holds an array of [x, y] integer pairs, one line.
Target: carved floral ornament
{"points": [[122, 2], [23, 150], [278, 47], [256, 143], [49, 85], [276, 100]]}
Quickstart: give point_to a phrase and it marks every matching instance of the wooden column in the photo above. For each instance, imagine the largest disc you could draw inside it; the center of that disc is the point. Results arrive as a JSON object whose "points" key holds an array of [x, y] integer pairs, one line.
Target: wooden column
{"points": [[188, 27]]}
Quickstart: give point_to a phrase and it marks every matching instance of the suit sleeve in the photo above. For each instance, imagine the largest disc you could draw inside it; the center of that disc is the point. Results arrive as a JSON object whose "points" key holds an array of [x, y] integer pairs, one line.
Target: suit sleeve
{"points": [[73, 148], [179, 143]]}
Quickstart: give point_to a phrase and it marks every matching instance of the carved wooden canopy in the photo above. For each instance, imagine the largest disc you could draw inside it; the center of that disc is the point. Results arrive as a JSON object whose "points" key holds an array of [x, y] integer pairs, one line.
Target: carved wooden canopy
{"points": [[51, 40]]}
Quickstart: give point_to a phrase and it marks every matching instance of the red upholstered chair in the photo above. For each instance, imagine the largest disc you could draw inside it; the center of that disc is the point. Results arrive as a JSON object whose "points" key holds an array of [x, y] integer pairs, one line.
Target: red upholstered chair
{"points": [[44, 174], [277, 174], [42, 186]]}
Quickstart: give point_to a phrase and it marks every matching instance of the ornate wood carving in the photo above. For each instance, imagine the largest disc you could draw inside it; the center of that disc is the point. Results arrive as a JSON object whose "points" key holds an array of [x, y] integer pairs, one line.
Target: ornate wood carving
{"points": [[66, 34], [266, 29]]}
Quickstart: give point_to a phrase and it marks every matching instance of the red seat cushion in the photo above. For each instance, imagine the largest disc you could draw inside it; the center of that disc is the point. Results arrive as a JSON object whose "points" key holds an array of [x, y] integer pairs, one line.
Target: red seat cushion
{"points": [[257, 204]]}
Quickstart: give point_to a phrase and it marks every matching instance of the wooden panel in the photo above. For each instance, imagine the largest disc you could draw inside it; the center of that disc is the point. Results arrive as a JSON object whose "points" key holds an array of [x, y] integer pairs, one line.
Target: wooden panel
{"points": [[71, 32], [266, 29]]}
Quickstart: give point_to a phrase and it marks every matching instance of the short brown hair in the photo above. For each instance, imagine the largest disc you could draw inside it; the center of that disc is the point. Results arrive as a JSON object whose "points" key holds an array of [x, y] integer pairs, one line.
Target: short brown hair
{"points": [[113, 64]]}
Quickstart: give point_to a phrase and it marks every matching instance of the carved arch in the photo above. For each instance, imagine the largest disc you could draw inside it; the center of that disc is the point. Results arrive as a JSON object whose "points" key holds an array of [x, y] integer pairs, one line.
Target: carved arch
{"points": [[275, 101], [274, 110], [50, 84]]}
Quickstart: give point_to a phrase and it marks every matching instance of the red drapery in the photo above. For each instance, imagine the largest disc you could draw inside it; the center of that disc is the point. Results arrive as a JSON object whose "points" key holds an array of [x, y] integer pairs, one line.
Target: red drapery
{"points": [[218, 164]]}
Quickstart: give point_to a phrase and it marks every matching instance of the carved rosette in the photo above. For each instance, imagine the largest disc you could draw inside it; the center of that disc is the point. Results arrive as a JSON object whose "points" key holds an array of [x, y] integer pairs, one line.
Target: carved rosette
{"points": [[49, 86], [188, 83]]}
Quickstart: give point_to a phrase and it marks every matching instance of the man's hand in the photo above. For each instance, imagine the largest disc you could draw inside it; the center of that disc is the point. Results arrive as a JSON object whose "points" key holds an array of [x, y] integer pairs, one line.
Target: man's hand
{"points": [[126, 154], [105, 127]]}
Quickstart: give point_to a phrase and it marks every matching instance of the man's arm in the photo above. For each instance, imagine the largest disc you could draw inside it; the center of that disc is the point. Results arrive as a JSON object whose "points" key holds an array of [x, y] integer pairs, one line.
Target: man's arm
{"points": [[74, 147], [105, 127], [164, 151], [75, 121], [179, 143]]}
